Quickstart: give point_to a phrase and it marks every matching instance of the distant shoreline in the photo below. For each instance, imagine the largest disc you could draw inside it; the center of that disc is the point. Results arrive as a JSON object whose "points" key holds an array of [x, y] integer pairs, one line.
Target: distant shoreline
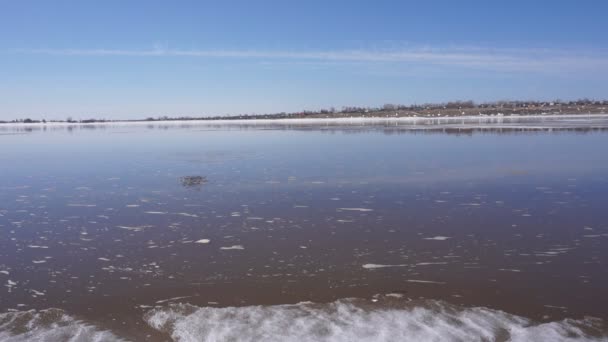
{"points": [[314, 120], [457, 109]]}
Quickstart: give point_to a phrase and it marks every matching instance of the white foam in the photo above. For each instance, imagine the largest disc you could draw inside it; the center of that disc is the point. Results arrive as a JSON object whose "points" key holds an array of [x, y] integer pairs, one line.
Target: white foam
{"points": [[359, 320], [48, 326]]}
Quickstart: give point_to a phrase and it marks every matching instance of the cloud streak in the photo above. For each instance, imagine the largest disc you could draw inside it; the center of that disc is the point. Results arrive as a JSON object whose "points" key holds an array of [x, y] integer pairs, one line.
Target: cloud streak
{"points": [[508, 60]]}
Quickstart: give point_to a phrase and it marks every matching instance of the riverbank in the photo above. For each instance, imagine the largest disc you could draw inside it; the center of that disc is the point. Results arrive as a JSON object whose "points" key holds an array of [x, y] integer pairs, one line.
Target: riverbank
{"points": [[497, 118], [449, 110]]}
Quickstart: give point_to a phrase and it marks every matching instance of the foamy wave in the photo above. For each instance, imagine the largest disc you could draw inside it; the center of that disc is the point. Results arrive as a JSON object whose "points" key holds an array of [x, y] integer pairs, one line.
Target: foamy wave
{"points": [[48, 326], [358, 320]]}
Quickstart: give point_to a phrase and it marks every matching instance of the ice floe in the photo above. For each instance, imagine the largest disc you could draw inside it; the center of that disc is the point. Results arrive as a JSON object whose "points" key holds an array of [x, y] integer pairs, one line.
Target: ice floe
{"points": [[238, 247], [373, 266]]}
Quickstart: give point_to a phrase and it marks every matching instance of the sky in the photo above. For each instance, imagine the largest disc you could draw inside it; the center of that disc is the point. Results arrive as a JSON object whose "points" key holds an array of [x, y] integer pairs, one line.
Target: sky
{"points": [[136, 59]]}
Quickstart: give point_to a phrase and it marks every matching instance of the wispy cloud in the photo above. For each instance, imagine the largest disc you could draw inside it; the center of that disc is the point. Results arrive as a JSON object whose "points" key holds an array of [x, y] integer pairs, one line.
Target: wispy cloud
{"points": [[522, 60]]}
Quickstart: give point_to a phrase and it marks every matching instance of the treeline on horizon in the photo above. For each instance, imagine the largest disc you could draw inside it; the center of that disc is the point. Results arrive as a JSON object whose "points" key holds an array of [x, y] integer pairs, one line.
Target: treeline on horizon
{"points": [[452, 105]]}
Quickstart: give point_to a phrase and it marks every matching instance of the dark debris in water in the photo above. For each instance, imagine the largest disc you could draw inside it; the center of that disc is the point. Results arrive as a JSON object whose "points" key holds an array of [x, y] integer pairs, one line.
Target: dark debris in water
{"points": [[193, 181]]}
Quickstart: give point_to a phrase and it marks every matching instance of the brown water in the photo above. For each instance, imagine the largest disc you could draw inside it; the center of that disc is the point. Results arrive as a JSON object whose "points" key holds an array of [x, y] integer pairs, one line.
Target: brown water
{"points": [[100, 223]]}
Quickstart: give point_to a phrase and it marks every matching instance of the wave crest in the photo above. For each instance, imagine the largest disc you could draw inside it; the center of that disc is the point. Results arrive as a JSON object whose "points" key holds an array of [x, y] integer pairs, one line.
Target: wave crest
{"points": [[48, 325], [359, 320]]}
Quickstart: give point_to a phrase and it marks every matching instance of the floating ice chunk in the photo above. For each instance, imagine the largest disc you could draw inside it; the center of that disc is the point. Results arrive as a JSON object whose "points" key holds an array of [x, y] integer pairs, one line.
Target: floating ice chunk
{"points": [[10, 284], [424, 281], [438, 238], [135, 228], [155, 212], [203, 241], [35, 246], [373, 266], [394, 295], [233, 247], [38, 261], [355, 209], [556, 307], [4, 272], [187, 214], [509, 270], [171, 299], [103, 259]]}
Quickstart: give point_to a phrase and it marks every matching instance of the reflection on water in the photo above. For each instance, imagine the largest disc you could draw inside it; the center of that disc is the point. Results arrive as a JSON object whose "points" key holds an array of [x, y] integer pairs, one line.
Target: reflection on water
{"points": [[108, 222]]}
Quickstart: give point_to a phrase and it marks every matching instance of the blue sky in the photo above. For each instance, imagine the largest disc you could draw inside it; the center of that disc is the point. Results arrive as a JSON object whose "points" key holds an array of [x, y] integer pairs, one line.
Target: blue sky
{"points": [[133, 59]]}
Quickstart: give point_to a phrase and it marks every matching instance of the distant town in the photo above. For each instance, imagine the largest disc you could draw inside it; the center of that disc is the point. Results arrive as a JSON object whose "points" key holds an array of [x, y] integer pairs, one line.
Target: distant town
{"points": [[448, 109]]}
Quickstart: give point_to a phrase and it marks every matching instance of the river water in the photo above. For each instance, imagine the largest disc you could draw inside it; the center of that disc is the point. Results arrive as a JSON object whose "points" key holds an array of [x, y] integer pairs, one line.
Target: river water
{"points": [[304, 230]]}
